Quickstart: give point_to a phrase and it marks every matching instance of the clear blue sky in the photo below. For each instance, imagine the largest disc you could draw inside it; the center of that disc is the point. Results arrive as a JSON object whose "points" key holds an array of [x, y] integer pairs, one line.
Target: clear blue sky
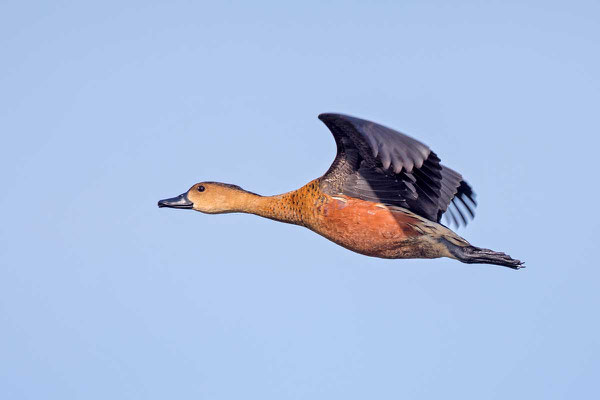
{"points": [[107, 107]]}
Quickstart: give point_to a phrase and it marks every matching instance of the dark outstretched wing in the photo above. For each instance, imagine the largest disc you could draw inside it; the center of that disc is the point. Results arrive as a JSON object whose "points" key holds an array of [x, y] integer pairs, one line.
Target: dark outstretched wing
{"points": [[379, 164]]}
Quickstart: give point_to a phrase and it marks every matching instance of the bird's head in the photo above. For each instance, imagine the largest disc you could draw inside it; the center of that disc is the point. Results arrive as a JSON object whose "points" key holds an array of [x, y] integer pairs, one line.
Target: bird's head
{"points": [[210, 198]]}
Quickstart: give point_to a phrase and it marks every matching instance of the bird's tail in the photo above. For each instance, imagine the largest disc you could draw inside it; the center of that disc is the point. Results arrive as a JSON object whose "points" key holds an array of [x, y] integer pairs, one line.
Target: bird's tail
{"points": [[477, 255]]}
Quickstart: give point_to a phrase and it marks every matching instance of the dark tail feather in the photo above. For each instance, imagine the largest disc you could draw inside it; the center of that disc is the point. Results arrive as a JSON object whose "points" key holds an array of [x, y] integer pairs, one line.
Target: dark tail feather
{"points": [[477, 255]]}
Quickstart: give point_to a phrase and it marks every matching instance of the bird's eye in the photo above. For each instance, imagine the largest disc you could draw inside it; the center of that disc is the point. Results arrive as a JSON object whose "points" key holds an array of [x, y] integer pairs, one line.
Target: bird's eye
{"points": [[201, 188]]}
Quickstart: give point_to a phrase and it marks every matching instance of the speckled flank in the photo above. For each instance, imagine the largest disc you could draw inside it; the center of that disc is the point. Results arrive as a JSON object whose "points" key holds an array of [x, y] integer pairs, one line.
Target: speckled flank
{"points": [[365, 227]]}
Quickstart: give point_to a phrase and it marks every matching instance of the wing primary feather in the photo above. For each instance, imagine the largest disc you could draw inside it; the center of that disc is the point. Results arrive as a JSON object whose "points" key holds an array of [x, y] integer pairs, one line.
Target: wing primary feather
{"points": [[466, 206], [457, 209], [451, 217]]}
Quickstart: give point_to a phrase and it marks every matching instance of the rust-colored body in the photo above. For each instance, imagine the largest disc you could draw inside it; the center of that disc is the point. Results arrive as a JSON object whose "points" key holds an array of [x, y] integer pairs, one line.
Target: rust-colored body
{"points": [[369, 228]]}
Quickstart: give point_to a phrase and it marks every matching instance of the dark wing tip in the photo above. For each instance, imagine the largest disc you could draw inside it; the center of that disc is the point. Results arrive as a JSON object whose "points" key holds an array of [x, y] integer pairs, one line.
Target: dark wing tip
{"points": [[327, 116], [466, 211], [330, 117], [465, 190]]}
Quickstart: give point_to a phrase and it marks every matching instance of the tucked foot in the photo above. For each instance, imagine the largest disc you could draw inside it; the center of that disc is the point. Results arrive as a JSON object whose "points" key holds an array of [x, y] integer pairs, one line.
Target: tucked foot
{"points": [[478, 255]]}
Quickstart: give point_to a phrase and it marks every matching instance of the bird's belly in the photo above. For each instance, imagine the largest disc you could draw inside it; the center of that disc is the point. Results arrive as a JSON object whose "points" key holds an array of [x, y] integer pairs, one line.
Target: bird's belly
{"points": [[372, 229]]}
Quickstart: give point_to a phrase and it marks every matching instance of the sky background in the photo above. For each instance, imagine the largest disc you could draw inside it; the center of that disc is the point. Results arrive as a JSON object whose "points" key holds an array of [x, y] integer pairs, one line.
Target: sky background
{"points": [[107, 107]]}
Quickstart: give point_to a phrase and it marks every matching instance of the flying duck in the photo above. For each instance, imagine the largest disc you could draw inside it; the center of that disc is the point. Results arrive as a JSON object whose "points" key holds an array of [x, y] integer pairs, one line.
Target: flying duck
{"points": [[383, 196]]}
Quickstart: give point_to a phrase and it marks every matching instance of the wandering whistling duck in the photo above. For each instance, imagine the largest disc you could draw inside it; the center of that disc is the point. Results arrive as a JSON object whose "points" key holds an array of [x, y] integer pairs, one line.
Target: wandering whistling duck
{"points": [[383, 196]]}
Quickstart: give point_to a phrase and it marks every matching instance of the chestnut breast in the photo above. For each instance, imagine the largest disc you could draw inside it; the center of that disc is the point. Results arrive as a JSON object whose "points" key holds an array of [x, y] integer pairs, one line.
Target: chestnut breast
{"points": [[365, 227]]}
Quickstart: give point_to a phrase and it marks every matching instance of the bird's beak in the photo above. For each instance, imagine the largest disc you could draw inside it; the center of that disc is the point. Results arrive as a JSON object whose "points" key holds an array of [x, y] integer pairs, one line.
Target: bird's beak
{"points": [[180, 201]]}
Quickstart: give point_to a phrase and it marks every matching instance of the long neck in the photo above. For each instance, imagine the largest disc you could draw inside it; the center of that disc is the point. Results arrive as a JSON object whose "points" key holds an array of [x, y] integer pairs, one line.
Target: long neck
{"points": [[285, 207], [294, 207]]}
